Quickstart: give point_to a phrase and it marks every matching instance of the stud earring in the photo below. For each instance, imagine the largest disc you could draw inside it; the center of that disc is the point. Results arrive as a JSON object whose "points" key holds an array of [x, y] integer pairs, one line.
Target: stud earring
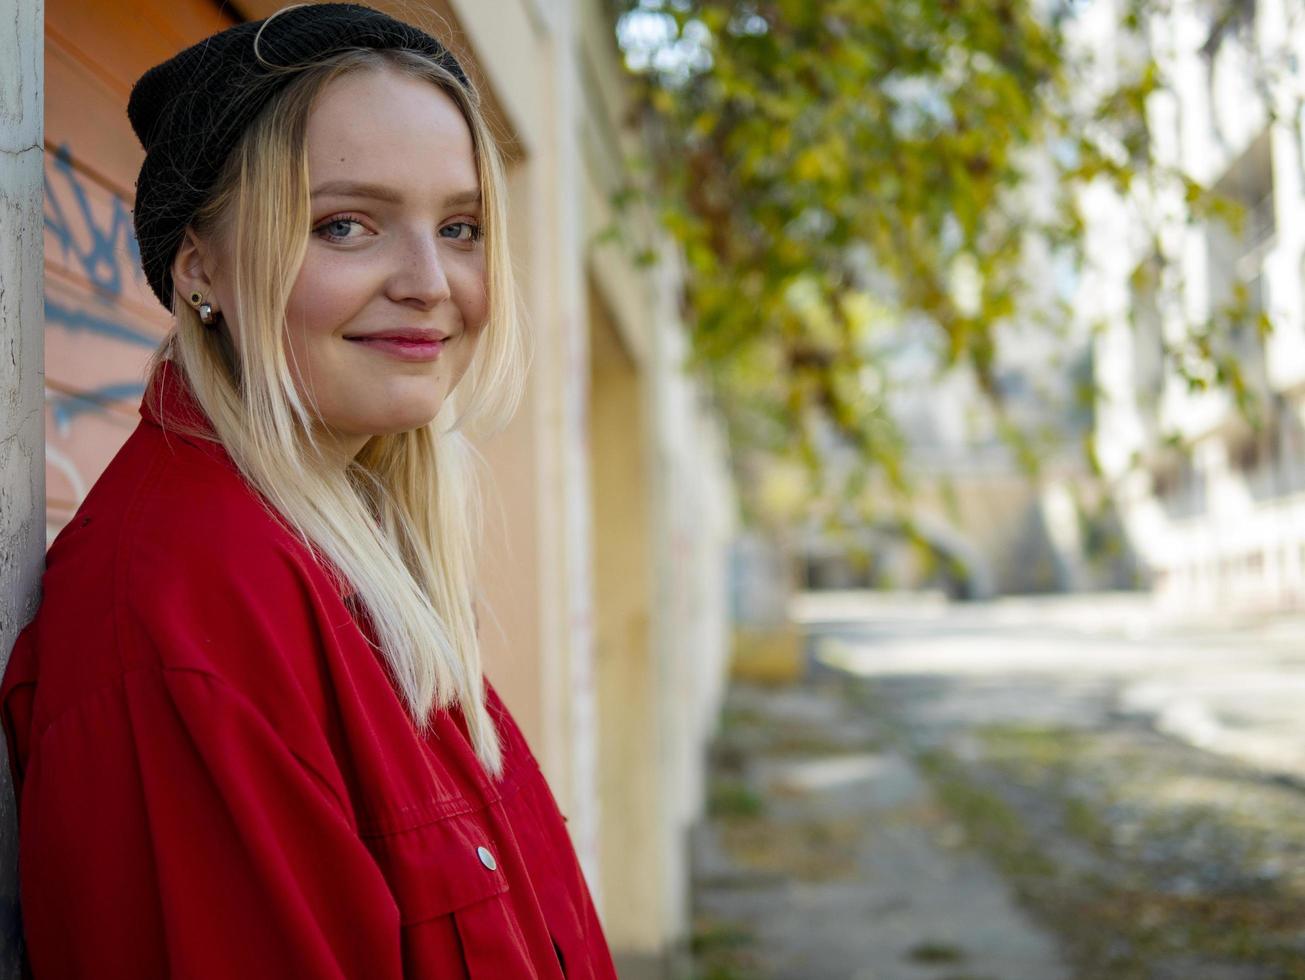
{"points": [[207, 315]]}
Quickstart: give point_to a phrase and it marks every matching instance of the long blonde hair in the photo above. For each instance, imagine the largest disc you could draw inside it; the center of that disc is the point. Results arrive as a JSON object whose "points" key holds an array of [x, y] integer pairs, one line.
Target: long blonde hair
{"points": [[402, 524]]}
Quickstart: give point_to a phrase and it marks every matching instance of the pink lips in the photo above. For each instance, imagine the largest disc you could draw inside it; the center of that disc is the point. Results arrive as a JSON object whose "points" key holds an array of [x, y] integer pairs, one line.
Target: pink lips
{"points": [[406, 345]]}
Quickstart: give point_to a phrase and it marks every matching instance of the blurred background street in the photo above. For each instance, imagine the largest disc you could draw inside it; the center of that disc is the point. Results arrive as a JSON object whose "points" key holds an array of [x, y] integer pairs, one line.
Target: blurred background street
{"points": [[1231, 685], [1026, 788]]}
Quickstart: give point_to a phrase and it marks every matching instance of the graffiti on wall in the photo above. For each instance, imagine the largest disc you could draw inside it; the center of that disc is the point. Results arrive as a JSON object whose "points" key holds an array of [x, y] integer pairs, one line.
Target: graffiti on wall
{"points": [[95, 248], [101, 323]]}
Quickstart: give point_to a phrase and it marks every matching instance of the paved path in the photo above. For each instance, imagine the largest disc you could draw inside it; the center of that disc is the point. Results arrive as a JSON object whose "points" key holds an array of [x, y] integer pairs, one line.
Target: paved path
{"points": [[1074, 787], [849, 869]]}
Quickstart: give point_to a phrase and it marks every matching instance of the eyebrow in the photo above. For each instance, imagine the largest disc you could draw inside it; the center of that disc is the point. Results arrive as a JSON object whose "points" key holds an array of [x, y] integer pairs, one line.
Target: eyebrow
{"points": [[379, 192]]}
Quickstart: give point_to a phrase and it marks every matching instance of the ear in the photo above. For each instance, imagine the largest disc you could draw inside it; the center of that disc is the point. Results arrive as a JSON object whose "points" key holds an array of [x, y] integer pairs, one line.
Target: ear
{"points": [[190, 269]]}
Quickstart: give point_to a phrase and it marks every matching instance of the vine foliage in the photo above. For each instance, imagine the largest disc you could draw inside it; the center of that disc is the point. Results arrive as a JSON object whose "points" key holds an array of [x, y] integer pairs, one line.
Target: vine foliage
{"points": [[850, 178]]}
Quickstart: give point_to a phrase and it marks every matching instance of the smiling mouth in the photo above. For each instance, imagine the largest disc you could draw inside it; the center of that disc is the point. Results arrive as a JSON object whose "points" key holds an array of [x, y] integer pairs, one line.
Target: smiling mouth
{"points": [[403, 348]]}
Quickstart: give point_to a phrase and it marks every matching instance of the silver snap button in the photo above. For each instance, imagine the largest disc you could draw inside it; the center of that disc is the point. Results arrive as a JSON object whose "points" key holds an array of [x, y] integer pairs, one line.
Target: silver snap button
{"points": [[486, 858]]}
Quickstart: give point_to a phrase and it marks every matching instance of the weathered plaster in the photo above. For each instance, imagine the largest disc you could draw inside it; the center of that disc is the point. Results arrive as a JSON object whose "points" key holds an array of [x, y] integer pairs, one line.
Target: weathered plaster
{"points": [[22, 436]]}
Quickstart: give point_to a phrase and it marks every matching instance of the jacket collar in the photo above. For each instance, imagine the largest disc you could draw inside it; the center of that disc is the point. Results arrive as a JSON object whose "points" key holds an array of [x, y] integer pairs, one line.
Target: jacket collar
{"points": [[169, 403]]}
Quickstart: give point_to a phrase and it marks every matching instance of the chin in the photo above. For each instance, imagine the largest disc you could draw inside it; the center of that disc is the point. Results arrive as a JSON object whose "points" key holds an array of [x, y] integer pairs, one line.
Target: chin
{"points": [[404, 422]]}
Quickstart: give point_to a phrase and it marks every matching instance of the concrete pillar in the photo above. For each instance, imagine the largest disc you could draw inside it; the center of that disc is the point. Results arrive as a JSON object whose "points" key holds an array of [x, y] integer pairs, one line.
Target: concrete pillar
{"points": [[22, 418]]}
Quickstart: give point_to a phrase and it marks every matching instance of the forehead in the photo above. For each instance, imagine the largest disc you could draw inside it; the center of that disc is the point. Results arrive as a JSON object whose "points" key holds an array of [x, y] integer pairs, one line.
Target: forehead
{"points": [[385, 127]]}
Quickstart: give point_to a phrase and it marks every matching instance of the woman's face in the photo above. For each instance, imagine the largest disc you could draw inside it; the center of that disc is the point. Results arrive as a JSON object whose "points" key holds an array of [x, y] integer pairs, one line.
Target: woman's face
{"points": [[391, 300], [386, 312]]}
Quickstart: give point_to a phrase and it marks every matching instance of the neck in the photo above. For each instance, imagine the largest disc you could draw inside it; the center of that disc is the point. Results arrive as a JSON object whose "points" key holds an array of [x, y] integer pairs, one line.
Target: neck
{"points": [[339, 449]]}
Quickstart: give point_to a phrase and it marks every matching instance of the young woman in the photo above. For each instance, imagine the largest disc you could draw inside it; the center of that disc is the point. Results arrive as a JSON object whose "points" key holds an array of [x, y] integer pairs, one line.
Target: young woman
{"points": [[248, 726]]}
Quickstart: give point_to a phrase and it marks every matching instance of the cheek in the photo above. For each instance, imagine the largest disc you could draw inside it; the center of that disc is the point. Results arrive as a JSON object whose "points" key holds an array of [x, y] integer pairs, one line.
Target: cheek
{"points": [[310, 296], [321, 302], [473, 298]]}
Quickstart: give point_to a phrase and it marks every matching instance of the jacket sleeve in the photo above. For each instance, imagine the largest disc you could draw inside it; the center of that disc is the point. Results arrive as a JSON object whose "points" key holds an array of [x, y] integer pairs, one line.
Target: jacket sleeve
{"points": [[169, 830]]}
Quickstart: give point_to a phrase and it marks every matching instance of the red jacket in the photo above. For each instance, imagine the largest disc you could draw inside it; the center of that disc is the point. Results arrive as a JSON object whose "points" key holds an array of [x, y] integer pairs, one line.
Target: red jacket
{"points": [[217, 779]]}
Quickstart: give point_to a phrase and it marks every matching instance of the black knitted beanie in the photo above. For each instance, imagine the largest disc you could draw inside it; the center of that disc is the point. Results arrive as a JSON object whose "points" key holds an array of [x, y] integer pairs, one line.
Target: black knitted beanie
{"points": [[190, 111]]}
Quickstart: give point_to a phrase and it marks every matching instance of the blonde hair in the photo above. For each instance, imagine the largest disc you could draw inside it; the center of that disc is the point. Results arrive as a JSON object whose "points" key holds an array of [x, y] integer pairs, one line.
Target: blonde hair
{"points": [[403, 522]]}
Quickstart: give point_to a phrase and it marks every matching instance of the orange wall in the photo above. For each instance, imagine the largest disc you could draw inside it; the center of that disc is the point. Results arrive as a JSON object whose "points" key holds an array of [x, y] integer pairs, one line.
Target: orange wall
{"points": [[101, 320]]}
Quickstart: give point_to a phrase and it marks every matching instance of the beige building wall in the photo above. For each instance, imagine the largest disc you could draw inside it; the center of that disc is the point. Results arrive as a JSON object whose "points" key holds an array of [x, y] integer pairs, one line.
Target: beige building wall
{"points": [[630, 765]]}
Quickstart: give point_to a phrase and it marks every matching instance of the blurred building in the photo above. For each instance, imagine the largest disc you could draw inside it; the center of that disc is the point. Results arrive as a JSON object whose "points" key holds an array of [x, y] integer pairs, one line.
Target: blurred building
{"points": [[979, 524], [607, 629], [1213, 505]]}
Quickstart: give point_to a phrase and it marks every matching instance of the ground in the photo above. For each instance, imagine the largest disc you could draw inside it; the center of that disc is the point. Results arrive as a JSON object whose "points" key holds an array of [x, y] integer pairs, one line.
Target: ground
{"points": [[1071, 788]]}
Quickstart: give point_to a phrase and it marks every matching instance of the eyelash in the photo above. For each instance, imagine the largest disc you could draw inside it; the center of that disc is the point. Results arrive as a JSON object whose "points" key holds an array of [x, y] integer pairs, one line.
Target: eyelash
{"points": [[476, 230]]}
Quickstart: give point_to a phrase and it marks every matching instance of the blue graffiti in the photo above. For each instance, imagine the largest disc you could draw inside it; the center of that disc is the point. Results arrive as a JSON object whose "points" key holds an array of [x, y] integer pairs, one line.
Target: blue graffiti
{"points": [[67, 407], [81, 320], [100, 261], [68, 210]]}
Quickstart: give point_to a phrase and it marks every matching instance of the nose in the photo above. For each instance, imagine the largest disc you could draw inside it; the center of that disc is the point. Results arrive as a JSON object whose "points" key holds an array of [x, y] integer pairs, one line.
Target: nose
{"points": [[418, 275]]}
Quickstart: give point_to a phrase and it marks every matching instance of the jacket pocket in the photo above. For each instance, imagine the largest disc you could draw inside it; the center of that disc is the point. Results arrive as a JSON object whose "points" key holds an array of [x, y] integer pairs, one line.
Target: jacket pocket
{"points": [[455, 907]]}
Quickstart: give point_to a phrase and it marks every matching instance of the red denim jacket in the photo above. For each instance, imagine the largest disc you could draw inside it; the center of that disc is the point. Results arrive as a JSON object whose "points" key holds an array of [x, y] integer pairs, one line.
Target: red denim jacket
{"points": [[217, 779]]}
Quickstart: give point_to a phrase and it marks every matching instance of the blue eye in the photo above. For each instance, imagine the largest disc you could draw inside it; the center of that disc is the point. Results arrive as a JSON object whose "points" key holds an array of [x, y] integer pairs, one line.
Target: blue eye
{"points": [[461, 231], [464, 231], [340, 220]]}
